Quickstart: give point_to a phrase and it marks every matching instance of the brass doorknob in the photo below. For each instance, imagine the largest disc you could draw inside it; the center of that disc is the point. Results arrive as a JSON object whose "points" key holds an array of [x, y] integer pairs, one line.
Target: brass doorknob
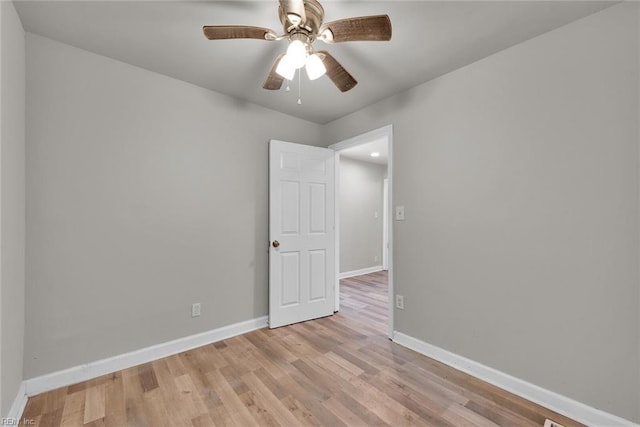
{"points": [[275, 243]]}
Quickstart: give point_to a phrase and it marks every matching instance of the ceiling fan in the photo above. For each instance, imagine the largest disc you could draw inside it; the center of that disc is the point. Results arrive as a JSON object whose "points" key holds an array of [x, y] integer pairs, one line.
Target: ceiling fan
{"points": [[302, 22]]}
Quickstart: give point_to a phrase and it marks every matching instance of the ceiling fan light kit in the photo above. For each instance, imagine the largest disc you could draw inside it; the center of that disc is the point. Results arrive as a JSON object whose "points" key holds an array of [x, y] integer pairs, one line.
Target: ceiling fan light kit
{"points": [[298, 56], [302, 24]]}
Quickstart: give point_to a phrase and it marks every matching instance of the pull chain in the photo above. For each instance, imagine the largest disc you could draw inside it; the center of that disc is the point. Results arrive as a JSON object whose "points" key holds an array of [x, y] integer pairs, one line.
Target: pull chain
{"points": [[299, 87]]}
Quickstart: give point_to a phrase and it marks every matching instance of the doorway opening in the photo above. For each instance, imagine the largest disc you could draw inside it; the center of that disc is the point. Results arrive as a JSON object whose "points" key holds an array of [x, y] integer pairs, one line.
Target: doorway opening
{"points": [[363, 201]]}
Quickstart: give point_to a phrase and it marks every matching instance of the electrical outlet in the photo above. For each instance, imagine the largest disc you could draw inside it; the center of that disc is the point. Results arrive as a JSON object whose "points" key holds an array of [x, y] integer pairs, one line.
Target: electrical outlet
{"points": [[399, 213], [195, 309], [550, 423], [400, 302], [375, 258]]}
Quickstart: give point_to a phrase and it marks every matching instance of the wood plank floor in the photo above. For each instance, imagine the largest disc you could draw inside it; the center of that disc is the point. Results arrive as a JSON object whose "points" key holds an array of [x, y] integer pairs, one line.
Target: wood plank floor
{"points": [[336, 371]]}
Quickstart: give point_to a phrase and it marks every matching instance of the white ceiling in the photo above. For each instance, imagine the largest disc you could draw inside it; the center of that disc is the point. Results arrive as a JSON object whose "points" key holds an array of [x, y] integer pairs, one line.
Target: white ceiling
{"points": [[430, 38], [363, 152]]}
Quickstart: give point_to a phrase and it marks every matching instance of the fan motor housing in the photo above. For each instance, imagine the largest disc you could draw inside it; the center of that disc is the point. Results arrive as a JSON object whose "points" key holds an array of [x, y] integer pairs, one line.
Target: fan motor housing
{"points": [[314, 14]]}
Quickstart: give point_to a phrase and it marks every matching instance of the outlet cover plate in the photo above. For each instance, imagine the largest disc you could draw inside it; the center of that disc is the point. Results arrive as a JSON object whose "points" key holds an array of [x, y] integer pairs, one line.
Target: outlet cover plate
{"points": [[195, 309]]}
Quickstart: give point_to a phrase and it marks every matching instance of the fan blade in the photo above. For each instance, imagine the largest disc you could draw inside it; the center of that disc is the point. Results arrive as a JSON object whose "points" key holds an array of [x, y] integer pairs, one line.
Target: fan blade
{"points": [[294, 11], [274, 80], [223, 32], [336, 72], [363, 28]]}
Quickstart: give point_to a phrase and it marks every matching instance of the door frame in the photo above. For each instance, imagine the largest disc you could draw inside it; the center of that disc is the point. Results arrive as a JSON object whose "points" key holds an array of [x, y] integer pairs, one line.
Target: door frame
{"points": [[385, 222], [383, 132]]}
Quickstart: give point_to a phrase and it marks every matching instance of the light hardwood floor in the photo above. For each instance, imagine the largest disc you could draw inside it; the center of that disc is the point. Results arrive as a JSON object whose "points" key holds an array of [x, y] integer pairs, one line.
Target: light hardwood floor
{"points": [[336, 371]]}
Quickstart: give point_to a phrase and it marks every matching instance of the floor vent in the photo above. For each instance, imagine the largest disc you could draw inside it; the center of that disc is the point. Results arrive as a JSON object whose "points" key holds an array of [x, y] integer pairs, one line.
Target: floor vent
{"points": [[550, 423]]}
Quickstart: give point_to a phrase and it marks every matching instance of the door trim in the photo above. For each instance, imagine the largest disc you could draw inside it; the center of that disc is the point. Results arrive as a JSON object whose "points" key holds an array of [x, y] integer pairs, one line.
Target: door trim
{"points": [[383, 132], [385, 223]]}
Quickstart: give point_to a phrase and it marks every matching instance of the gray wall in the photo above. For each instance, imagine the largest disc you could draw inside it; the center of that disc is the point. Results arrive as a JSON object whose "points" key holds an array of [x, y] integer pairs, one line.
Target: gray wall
{"points": [[144, 194], [12, 203], [360, 196], [519, 174]]}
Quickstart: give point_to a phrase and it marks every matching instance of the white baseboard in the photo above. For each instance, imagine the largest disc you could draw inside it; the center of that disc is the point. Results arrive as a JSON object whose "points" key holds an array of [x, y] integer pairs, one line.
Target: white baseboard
{"points": [[360, 272], [549, 399], [95, 369], [19, 403]]}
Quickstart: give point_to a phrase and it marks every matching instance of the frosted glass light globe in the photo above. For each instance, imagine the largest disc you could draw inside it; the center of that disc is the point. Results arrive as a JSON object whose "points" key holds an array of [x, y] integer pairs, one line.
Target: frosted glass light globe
{"points": [[297, 53], [315, 67], [285, 68]]}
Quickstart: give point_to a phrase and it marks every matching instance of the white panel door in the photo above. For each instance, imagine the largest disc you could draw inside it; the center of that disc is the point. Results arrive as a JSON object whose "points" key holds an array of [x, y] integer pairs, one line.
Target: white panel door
{"points": [[301, 233]]}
